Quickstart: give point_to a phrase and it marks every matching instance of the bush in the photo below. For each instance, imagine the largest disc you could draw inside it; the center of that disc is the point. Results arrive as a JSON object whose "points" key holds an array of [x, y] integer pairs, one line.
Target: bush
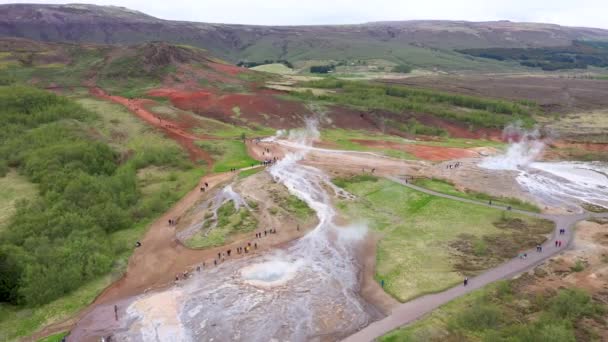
{"points": [[322, 69], [480, 316], [478, 112], [572, 304], [402, 69], [55, 244]]}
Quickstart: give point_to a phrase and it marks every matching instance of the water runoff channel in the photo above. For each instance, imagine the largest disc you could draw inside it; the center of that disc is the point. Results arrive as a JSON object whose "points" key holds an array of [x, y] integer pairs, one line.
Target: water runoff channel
{"points": [[307, 290]]}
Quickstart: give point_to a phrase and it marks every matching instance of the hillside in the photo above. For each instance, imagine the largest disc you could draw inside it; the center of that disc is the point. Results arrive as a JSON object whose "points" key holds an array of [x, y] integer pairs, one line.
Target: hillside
{"points": [[427, 44]]}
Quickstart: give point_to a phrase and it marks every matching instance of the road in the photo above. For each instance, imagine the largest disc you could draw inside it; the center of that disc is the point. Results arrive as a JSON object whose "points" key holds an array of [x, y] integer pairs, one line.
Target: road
{"points": [[411, 311]]}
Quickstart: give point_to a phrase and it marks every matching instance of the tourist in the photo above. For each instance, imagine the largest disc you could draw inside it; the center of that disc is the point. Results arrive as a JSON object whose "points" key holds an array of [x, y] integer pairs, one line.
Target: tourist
{"points": [[556, 243], [219, 255], [229, 252], [116, 312], [466, 281], [214, 262], [206, 185], [265, 233], [138, 244], [255, 245]]}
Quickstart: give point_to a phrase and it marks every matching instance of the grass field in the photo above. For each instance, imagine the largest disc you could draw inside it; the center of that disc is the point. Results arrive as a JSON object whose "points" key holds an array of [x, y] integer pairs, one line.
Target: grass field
{"points": [[229, 222], [340, 49], [275, 68], [449, 189], [343, 139], [499, 312], [228, 154], [17, 322], [250, 172], [420, 252], [54, 338], [14, 188]]}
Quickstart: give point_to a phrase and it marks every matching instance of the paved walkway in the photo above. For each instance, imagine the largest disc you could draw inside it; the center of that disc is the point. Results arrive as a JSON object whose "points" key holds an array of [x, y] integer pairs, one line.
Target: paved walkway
{"points": [[415, 309]]}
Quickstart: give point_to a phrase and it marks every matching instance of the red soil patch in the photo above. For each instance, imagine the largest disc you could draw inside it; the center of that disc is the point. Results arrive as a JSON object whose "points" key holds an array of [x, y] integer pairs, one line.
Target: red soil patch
{"points": [[459, 130], [172, 129], [433, 153], [227, 68], [261, 108]]}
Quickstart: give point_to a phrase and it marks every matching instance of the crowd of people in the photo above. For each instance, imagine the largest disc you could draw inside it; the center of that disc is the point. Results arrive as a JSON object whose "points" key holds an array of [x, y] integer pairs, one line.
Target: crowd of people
{"points": [[222, 255]]}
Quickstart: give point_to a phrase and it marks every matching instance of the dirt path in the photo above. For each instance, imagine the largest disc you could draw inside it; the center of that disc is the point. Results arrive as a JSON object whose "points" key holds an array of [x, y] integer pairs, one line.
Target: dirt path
{"points": [[172, 129], [411, 311], [161, 256]]}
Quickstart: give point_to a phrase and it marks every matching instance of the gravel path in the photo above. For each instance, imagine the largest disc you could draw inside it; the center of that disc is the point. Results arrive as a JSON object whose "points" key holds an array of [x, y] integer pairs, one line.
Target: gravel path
{"points": [[411, 311]]}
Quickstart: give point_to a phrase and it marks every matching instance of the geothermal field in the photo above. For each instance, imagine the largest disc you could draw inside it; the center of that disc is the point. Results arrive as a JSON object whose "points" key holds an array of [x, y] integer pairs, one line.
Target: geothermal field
{"points": [[391, 181], [309, 288]]}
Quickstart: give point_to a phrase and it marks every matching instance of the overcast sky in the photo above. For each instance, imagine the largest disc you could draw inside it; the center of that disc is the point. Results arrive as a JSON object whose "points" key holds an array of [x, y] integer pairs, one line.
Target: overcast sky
{"points": [[591, 13]]}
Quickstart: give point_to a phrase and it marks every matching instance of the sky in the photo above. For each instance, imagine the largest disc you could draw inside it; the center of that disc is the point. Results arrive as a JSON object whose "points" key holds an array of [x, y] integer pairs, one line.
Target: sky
{"points": [[590, 13]]}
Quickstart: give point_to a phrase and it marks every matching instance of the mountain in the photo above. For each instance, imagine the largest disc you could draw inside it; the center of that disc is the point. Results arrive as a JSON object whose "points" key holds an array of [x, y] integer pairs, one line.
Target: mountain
{"points": [[420, 43]]}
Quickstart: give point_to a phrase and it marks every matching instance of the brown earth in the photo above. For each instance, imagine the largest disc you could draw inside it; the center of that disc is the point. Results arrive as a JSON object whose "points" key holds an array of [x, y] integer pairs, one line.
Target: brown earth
{"points": [[433, 153], [553, 94], [263, 107], [172, 129]]}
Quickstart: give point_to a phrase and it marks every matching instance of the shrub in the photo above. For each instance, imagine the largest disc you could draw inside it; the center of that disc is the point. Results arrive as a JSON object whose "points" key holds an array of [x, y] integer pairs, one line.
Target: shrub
{"points": [[572, 304], [402, 69], [480, 316]]}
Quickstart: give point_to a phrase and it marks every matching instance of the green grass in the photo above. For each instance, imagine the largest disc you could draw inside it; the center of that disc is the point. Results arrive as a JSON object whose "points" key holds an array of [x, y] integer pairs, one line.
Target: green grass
{"points": [[464, 143], [498, 312], [84, 60], [220, 129], [414, 256], [250, 172], [343, 139], [473, 111], [229, 223], [449, 189], [228, 154], [275, 68], [54, 338], [339, 48], [16, 322], [14, 188]]}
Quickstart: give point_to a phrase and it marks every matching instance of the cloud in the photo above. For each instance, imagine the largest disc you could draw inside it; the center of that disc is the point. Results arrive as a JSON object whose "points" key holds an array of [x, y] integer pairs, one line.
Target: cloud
{"points": [[315, 12]]}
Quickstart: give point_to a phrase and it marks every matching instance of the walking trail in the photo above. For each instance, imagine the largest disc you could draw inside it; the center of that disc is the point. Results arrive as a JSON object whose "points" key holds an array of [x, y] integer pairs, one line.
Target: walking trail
{"points": [[411, 311]]}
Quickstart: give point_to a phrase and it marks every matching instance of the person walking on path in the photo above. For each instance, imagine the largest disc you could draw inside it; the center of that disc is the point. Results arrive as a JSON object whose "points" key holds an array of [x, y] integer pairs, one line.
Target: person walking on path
{"points": [[382, 283], [116, 312], [466, 281]]}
